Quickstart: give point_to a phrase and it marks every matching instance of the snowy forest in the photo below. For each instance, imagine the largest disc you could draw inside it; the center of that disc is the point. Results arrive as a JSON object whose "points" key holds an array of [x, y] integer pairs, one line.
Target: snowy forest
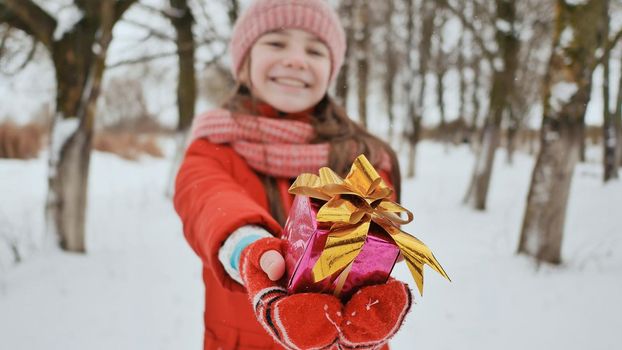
{"points": [[506, 116]]}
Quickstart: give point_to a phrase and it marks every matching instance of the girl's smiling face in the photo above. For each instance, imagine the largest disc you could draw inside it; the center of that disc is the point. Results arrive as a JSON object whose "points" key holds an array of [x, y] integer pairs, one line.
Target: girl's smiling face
{"points": [[289, 69]]}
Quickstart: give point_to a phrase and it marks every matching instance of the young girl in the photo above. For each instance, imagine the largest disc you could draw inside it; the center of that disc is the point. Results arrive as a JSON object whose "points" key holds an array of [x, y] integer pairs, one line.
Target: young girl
{"points": [[231, 190]]}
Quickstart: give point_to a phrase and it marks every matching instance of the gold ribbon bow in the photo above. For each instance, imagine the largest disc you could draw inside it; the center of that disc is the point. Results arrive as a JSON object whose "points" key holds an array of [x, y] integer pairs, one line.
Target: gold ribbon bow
{"points": [[352, 205]]}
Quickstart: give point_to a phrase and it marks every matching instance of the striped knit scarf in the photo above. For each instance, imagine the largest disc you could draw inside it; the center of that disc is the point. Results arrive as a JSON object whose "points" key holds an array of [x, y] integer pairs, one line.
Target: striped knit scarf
{"points": [[276, 147]]}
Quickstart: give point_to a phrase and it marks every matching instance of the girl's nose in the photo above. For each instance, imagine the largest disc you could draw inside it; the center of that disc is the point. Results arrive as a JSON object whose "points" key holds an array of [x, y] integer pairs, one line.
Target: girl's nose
{"points": [[295, 61]]}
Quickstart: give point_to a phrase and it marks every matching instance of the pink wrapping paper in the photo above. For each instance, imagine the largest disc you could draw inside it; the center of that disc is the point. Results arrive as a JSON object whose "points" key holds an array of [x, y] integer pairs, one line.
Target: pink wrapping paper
{"points": [[306, 240]]}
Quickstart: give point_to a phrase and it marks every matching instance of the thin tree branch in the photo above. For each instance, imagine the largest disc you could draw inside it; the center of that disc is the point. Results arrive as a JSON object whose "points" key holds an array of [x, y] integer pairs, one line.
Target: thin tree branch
{"points": [[611, 43], [8, 17], [152, 31], [167, 12], [29, 57], [34, 19], [142, 59], [157, 56], [489, 55], [210, 24], [214, 59]]}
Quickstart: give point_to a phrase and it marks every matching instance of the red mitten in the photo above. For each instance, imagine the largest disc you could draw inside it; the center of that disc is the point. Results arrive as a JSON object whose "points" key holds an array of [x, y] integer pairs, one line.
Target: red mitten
{"points": [[374, 315], [299, 321]]}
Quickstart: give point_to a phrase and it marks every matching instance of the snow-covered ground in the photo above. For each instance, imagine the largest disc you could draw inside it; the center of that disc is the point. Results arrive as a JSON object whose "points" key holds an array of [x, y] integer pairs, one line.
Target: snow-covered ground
{"points": [[139, 287]]}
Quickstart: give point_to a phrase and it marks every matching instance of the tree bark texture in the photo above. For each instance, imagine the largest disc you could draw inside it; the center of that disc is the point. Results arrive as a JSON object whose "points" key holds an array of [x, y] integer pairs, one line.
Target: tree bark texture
{"points": [[461, 66], [579, 32], [512, 131], [416, 102], [408, 88], [391, 64], [617, 120], [362, 39], [474, 120], [610, 166], [618, 124], [186, 84], [413, 107], [68, 184], [503, 79], [72, 56], [440, 68], [527, 90], [346, 12]]}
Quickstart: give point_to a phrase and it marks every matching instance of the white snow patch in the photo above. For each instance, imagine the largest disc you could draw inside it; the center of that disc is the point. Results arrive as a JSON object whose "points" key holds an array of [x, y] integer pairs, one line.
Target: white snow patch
{"points": [[452, 31], [566, 37], [561, 93], [551, 135], [67, 18], [498, 64], [577, 2], [97, 49], [140, 285], [503, 25]]}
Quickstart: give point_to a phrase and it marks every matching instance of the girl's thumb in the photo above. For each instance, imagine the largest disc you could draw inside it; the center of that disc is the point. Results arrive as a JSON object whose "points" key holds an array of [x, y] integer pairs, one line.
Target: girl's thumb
{"points": [[273, 264]]}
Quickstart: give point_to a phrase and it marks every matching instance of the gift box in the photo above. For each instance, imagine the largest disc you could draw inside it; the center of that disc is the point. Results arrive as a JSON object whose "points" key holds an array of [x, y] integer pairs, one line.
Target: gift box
{"points": [[306, 241], [344, 234]]}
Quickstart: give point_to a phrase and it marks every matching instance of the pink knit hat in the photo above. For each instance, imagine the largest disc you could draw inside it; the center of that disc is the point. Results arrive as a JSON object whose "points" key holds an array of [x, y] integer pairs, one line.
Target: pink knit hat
{"points": [[262, 16]]}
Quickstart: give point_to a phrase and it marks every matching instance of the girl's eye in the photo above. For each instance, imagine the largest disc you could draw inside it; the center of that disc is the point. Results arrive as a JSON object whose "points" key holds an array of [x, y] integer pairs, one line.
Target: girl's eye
{"points": [[315, 52], [275, 44]]}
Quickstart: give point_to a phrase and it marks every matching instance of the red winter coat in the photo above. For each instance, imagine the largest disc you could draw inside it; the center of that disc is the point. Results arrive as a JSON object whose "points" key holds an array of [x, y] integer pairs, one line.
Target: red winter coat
{"points": [[216, 192]]}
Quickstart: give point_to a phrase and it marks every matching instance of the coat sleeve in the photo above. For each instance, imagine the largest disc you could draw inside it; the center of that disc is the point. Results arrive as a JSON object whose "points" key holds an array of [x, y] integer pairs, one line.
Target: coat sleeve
{"points": [[212, 204]]}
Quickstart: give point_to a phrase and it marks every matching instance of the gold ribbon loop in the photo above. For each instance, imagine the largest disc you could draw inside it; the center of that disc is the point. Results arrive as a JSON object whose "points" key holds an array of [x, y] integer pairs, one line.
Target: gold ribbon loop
{"points": [[351, 205], [342, 247]]}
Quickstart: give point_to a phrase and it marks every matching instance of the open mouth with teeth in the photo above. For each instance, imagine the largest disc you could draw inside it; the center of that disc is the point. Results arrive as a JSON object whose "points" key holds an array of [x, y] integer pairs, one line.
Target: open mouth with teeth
{"points": [[290, 82]]}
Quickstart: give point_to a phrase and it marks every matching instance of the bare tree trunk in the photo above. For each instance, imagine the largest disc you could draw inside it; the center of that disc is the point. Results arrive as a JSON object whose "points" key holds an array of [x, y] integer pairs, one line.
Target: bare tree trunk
{"points": [[525, 93], [79, 61], [617, 120], [542, 231], [570, 66], [416, 105], [477, 83], [503, 79], [610, 166], [362, 58], [461, 133], [441, 104], [583, 141], [440, 68], [68, 170], [391, 62], [346, 12], [186, 84], [69, 173], [408, 88], [512, 131], [73, 168]]}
